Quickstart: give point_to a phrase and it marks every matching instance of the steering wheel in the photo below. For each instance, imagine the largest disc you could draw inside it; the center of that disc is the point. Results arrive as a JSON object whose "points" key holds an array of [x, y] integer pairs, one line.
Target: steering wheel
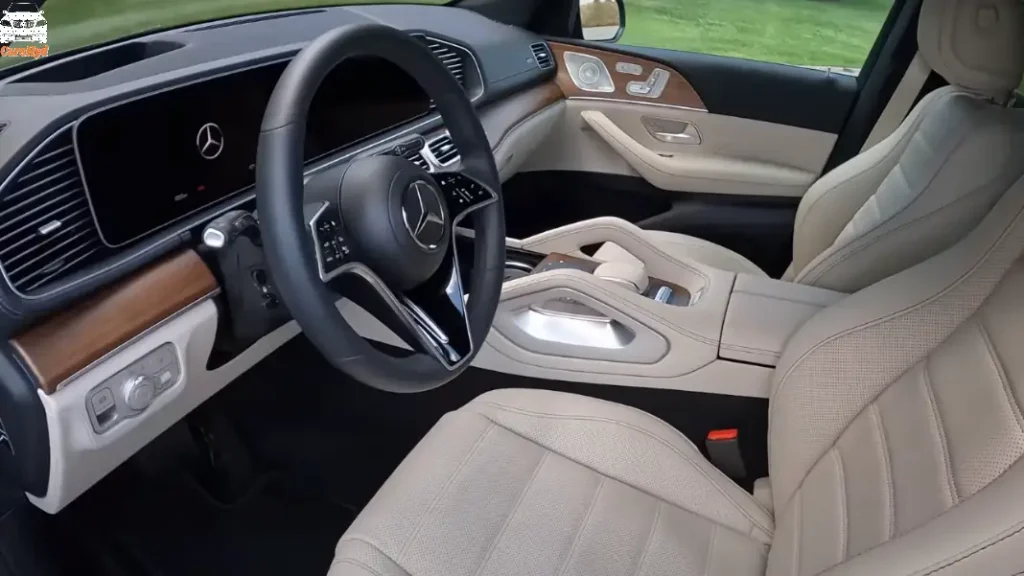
{"points": [[380, 231]]}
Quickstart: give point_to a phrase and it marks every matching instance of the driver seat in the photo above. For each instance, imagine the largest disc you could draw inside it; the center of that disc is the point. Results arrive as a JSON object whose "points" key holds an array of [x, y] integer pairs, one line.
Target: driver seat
{"points": [[924, 187], [895, 443]]}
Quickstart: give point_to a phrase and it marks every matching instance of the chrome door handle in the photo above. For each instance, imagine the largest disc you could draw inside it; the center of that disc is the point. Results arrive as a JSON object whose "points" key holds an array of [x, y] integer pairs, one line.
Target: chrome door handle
{"points": [[672, 131]]}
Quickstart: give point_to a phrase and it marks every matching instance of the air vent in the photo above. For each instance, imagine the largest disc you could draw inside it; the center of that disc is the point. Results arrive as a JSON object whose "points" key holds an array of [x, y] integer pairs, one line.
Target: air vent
{"points": [[452, 57], [542, 55], [416, 158], [46, 228], [443, 150]]}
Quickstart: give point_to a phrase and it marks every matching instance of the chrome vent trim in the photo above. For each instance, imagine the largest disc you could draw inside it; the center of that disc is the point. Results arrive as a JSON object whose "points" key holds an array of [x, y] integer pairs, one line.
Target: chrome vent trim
{"points": [[443, 151], [542, 55], [417, 158], [47, 230]]}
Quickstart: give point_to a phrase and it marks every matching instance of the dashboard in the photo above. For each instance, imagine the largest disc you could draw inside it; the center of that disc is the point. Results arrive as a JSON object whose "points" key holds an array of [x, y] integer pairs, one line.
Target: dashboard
{"points": [[111, 162], [151, 161]]}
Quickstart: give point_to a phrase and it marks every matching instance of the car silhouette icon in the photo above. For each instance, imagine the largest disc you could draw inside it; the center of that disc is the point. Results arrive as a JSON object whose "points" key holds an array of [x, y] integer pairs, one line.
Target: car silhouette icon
{"points": [[22, 22]]}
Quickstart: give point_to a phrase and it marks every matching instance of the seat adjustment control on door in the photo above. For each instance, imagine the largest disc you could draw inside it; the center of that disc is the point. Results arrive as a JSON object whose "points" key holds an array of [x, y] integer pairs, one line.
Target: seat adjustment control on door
{"points": [[652, 87], [133, 390]]}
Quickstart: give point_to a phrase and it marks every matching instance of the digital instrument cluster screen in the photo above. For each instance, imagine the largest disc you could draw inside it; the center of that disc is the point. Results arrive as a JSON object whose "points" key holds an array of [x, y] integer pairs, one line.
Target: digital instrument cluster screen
{"points": [[151, 161]]}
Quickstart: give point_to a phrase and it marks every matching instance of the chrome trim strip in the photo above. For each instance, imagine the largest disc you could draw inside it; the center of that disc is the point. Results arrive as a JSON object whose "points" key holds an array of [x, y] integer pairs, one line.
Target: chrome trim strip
{"points": [[658, 104], [137, 337]]}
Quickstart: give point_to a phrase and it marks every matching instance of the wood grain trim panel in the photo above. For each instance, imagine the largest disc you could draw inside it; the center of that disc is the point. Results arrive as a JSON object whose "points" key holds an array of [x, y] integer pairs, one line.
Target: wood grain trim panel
{"points": [[500, 118], [62, 345], [678, 91]]}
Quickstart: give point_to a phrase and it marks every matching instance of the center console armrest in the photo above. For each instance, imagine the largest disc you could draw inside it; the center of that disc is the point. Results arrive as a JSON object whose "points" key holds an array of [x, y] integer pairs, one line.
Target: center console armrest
{"points": [[762, 315]]}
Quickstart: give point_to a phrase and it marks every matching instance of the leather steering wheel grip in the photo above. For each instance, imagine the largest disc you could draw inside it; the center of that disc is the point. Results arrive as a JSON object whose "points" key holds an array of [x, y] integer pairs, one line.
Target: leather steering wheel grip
{"points": [[279, 195]]}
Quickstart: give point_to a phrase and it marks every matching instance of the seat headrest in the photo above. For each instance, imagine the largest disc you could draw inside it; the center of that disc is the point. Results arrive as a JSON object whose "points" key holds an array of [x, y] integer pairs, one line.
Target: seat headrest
{"points": [[977, 44]]}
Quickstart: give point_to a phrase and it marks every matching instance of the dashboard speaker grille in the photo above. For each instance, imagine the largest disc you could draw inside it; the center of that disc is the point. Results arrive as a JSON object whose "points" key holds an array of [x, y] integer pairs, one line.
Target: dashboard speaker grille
{"points": [[443, 149], [46, 227], [451, 56], [542, 54]]}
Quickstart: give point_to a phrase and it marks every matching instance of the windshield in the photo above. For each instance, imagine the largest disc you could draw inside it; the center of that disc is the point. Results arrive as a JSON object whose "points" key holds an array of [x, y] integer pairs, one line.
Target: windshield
{"points": [[77, 23]]}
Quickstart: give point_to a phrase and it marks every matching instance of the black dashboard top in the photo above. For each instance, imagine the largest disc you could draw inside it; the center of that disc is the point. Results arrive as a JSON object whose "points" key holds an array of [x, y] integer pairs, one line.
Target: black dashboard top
{"points": [[502, 52], [43, 102]]}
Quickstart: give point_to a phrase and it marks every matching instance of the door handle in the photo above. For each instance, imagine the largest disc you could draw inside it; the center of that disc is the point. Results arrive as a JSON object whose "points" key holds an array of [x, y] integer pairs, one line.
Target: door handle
{"points": [[672, 131]]}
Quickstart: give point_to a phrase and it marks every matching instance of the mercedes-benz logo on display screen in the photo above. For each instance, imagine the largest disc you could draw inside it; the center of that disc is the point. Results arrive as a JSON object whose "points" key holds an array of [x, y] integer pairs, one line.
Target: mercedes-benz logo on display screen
{"points": [[423, 214], [210, 141]]}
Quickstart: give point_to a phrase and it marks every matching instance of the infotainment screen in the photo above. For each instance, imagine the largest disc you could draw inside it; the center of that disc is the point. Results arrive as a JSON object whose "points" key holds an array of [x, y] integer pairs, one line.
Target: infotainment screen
{"points": [[151, 161]]}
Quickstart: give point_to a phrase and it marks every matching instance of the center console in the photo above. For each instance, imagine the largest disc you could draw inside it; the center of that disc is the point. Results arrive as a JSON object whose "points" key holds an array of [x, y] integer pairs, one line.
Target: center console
{"points": [[645, 320]]}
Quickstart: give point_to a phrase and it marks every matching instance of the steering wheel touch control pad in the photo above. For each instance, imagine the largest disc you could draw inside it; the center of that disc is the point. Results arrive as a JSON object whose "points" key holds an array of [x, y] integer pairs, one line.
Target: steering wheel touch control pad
{"points": [[463, 193], [329, 242]]}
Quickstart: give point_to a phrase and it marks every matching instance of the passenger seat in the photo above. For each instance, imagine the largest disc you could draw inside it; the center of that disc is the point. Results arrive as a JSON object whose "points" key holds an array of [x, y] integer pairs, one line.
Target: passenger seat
{"points": [[924, 187]]}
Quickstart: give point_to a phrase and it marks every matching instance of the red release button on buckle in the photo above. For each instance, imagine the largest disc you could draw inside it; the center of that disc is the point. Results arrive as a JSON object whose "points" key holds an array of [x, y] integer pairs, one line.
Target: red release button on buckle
{"points": [[720, 435]]}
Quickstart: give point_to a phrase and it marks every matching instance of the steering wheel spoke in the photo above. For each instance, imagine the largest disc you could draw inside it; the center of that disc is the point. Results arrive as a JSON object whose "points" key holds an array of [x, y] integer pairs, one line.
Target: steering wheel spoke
{"points": [[432, 318], [438, 307]]}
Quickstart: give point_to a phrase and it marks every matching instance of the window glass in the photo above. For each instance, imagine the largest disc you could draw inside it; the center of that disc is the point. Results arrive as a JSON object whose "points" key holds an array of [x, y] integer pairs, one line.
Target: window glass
{"points": [[819, 33]]}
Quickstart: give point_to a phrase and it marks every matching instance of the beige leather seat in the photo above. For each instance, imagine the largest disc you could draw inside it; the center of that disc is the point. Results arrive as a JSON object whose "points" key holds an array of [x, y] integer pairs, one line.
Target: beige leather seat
{"points": [[925, 186], [895, 444]]}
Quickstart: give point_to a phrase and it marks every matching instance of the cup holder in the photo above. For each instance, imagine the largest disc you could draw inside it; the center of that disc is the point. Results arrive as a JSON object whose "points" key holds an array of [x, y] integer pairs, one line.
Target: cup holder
{"points": [[514, 269]]}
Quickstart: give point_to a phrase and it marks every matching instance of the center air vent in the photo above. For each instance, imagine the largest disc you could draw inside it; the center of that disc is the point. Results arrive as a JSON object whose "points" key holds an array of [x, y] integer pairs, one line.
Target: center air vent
{"points": [[542, 55], [416, 158], [443, 150], [453, 57], [46, 228]]}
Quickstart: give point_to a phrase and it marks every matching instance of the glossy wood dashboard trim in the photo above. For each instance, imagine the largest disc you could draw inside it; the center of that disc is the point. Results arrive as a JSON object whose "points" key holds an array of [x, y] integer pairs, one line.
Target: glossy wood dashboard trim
{"points": [[68, 342], [678, 91]]}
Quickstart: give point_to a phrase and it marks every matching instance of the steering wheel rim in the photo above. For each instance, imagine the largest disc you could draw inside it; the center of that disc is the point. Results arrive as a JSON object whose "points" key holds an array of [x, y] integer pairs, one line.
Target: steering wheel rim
{"points": [[291, 255]]}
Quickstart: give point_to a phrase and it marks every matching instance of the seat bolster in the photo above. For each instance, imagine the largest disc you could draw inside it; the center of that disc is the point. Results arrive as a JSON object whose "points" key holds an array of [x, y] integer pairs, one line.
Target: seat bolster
{"points": [[683, 247], [630, 446]]}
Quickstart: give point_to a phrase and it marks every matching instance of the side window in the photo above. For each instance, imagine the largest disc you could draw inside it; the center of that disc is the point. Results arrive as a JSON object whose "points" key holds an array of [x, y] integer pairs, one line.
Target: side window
{"points": [[835, 34]]}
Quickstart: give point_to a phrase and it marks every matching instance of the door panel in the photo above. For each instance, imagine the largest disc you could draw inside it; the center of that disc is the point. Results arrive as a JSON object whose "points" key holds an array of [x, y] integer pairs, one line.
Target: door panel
{"points": [[765, 91], [669, 134], [723, 150], [621, 70], [728, 156]]}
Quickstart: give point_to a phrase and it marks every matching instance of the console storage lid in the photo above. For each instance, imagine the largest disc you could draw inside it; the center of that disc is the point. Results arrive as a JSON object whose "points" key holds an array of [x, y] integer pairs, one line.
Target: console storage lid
{"points": [[763, 313]]}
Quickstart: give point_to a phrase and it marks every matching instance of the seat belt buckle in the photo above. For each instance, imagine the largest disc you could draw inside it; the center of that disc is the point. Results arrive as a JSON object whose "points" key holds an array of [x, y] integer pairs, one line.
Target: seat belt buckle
{"points": [[724, 452]]}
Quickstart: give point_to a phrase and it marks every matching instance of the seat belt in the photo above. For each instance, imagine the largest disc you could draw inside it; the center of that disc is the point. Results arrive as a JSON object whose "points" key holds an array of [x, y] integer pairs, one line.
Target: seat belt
{"points": [[902, 101]]}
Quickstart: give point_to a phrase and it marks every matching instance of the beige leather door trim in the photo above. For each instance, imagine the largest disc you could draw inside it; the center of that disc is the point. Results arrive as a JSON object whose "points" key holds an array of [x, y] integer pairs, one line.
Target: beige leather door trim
{"points": [[700, 172], [574, 145]]}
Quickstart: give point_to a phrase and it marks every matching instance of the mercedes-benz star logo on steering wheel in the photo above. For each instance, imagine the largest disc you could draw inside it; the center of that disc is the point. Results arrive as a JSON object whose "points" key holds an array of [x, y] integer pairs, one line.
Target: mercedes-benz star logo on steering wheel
{"points": [[210, 141], [423, 215]]}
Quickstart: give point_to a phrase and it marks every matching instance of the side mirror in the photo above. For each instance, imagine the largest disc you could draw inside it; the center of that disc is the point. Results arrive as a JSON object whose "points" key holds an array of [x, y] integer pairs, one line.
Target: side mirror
{"points": [[602, 20]]}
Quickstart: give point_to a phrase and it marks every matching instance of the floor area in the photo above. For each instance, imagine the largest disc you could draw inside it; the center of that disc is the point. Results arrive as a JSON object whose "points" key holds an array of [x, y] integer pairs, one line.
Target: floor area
{"points": [[265, 477]]}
